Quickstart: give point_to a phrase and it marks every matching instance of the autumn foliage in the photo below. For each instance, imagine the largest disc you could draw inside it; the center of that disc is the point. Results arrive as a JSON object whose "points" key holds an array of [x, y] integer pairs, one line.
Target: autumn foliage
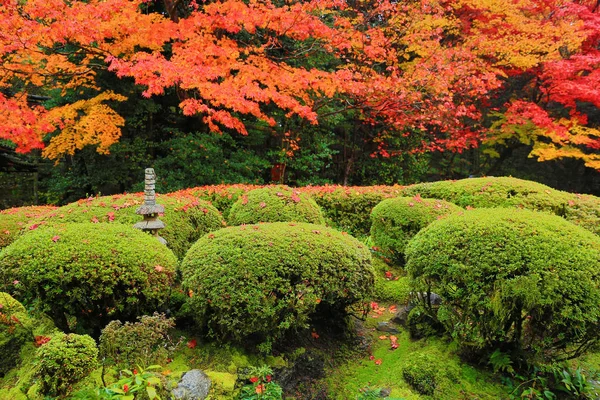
{"points": [[440, 69]]}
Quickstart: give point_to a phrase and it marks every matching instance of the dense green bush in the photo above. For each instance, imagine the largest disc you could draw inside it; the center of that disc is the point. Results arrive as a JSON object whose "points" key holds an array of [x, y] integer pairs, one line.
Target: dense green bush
{"points": [[262, 280], [94, 272], [64, 361], [515, 280], [186, 218], [13, 221], [274, 204], [15, 331], [145, 342], [421, 373], [582, 210], [395, 221], [348, 209], [223, 197]]}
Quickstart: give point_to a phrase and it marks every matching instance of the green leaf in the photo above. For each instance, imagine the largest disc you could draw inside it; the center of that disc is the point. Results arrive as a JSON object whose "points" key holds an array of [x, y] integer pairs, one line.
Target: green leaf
{"points": [[153, 380], [151, 392]]}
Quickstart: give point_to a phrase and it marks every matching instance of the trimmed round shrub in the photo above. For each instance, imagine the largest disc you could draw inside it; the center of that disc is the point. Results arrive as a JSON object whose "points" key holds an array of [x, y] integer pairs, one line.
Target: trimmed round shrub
{"points": [[275, 204], [94, 272], [348, 208], [65, 360], [13, 221], [395, 221], [186, 218], [521, 281], [582, 210], [493, 192], [262, 280], [15, 331]]}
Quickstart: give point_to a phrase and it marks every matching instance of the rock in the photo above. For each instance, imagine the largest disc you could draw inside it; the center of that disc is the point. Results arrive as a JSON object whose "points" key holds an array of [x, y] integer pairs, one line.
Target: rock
{"points": [[434, 298], [385, 392], [401, 315], [194, 385], [386, 327], [362, 338]]}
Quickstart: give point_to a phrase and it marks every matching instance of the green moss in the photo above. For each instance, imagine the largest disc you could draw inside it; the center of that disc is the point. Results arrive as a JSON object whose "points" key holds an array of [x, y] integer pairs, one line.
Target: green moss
{"points": [[15, 330], [275, 204], [457, 380], [222, 384]]}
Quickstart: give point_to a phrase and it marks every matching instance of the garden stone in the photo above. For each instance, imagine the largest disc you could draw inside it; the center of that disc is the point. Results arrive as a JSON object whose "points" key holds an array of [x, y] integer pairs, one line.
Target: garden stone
{"points": [[194, 385], [386, 327], [434, 298], [401, 315]]}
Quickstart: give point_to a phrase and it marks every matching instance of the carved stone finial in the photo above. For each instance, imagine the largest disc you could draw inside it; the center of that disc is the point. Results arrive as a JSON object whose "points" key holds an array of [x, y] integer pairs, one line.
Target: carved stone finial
{"points": [[150, 209]]}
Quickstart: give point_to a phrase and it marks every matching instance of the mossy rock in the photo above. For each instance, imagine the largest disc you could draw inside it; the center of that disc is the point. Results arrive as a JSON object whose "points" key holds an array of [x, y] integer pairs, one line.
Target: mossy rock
{"points": [[524, 281], [262, 280], [14, 221], [186, 218], [395, 221], [275, 204], [94, 272], [421, 372], [15, 331]]}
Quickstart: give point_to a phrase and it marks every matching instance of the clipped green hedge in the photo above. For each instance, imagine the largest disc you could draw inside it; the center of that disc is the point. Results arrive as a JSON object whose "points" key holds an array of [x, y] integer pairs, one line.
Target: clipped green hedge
{"points": [[395, 221], [95, 272], [275, 204], [262, 280], [65, 360], [186, 218], [14, 221], [348, 208], [582, 210], [15, 331], [522, 281]]}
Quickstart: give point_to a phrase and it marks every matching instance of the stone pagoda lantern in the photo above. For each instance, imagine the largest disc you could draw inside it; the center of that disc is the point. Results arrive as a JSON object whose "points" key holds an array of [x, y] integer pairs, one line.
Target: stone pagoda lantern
{"points": [[150, 210]]}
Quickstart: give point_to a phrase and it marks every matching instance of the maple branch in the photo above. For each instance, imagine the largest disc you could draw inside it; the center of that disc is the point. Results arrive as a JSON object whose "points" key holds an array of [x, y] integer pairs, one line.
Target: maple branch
{"points": [[171, 7]]}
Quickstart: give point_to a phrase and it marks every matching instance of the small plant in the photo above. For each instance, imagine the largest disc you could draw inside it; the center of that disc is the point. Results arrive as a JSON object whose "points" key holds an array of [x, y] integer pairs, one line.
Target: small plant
{"points": [[374, 394], [261, 386], [133, 384], [501, 362], [575, 383], [144, 342], [554, 382]]}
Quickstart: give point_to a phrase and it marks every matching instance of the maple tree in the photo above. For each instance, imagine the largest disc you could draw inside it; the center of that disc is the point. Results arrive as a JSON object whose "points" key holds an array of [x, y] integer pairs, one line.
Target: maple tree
{"points": [[428, 69]]}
